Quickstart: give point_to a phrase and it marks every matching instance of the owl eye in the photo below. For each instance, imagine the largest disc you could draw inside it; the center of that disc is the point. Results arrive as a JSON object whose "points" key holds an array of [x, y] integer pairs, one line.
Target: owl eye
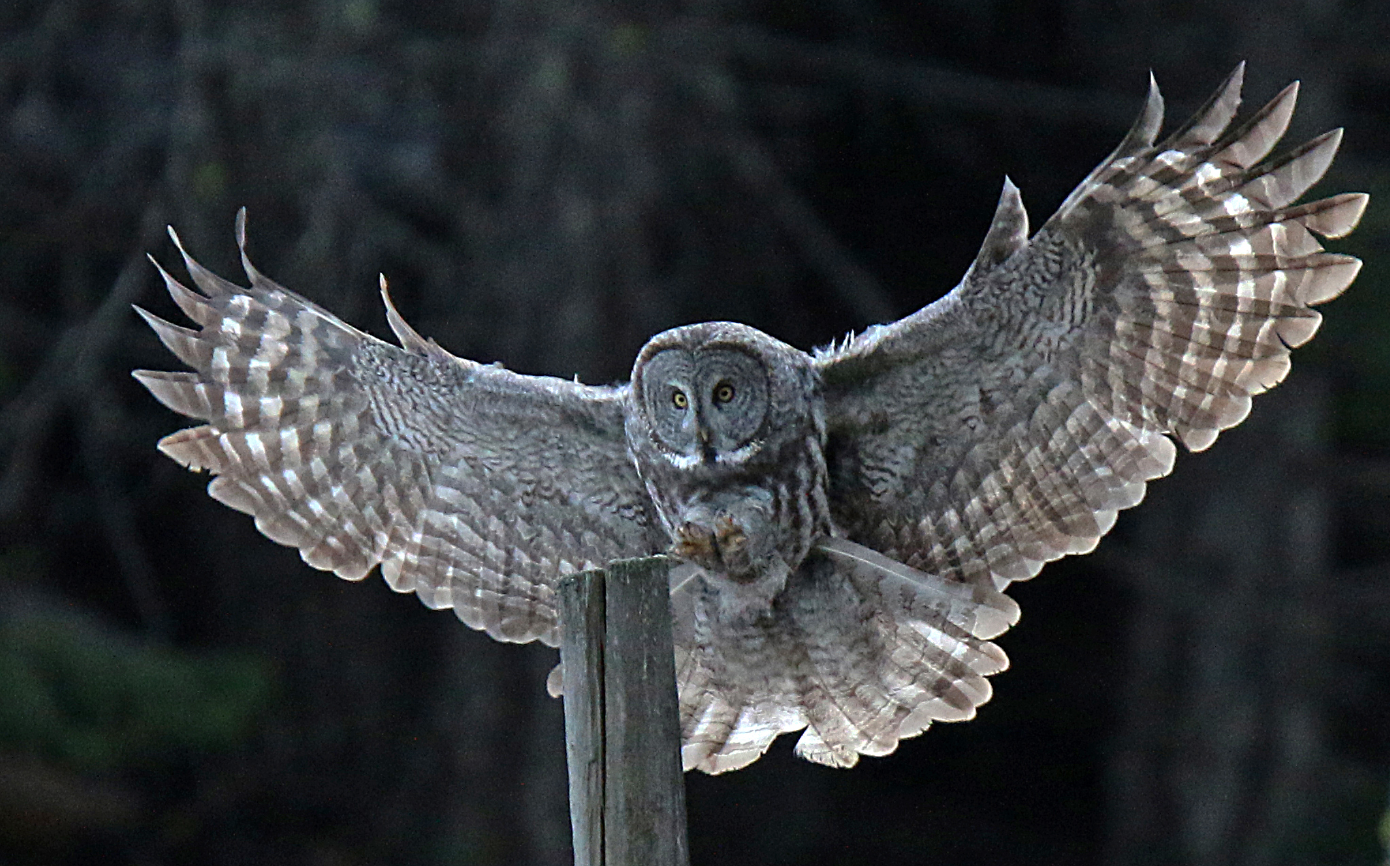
{"points": [[723, 392], [678, 399]]}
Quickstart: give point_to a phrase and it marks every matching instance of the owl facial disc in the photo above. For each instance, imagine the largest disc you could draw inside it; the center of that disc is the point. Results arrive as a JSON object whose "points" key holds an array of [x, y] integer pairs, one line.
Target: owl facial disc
{"points": [[706, 404]]}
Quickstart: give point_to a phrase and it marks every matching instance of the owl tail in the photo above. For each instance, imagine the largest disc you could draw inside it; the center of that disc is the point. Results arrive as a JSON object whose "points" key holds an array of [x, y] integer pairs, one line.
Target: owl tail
{"points": [[859, 650], [1213, 269]]}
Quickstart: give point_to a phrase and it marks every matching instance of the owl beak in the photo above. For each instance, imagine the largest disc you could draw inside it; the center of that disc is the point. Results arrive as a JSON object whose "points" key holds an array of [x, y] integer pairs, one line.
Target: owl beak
{"points": [[702, 436], [691, 424], [706, 449]]}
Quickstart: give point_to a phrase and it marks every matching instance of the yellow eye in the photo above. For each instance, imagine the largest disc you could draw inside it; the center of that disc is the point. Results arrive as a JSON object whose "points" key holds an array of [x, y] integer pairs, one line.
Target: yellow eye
{"points": [[679, 399], [723, 392]]}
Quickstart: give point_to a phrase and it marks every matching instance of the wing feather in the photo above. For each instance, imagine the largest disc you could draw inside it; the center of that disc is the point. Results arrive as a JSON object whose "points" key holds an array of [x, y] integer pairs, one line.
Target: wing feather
{"points": [[1006, 424], [474, 487]]}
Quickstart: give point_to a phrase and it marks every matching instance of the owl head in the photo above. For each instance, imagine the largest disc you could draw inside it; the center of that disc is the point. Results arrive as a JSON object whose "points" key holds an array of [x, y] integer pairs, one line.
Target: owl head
{"points": [[718, 395]]}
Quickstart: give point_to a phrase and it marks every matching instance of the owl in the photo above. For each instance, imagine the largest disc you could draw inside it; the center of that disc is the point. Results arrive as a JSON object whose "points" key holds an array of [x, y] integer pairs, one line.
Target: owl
{"points": [[845, 522]]}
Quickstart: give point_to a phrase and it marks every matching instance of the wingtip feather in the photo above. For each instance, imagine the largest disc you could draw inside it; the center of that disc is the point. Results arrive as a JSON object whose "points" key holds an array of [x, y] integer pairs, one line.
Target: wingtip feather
{"points": [[256, 277], [1146, 126], [211, 284], [410, 339], [1214, 116], [183, 342], [1008, 230], [1341, 216], [181, 392], [1254, 140]]}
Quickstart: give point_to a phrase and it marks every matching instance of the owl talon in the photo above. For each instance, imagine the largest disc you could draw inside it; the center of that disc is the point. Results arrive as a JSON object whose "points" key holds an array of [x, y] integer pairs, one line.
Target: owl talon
{"points": [[695, 544], [725, 548], [728, 533], [733, 545]]}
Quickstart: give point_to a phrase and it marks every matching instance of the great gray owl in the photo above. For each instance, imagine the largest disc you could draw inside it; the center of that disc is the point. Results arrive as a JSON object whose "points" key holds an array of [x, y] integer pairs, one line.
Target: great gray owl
{"points": [[846, 521]]}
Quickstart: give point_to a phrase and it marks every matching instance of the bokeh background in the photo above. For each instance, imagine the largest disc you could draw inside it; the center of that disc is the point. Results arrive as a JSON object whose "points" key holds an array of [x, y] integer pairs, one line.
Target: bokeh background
{"points": [[547, 183]]}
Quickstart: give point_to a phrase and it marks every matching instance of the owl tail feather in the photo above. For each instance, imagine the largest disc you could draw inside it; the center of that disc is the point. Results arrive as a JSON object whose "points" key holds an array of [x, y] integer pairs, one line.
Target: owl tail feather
{"points": [[860, 651]]}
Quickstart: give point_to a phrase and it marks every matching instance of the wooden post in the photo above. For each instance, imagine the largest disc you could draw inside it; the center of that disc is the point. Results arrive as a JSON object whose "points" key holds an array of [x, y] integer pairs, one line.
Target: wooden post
{"points": [[622, 731], [582, 607]]}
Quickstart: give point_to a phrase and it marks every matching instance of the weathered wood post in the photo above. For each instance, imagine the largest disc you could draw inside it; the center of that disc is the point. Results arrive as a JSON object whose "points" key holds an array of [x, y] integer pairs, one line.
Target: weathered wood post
{"points": [[622, 731]]}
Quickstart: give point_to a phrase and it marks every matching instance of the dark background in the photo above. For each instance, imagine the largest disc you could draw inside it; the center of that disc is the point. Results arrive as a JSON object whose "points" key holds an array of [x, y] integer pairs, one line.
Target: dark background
{"points": [[547, 183]]}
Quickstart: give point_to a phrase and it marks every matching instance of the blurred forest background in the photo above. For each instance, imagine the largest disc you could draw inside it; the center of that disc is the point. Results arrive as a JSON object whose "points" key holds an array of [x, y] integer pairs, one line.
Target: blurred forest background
{"points": [[547, 183]]}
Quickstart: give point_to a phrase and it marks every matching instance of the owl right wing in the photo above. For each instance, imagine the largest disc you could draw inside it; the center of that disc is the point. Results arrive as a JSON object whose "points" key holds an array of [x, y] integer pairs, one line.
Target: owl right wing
{"points": [[1004, 425], [472, 486]]}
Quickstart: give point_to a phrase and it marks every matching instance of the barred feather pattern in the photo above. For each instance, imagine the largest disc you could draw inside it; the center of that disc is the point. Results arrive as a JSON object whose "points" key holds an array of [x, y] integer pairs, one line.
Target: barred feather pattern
{"points": [[454, 477], [859, 651], [897, 482], [1005, 425]]}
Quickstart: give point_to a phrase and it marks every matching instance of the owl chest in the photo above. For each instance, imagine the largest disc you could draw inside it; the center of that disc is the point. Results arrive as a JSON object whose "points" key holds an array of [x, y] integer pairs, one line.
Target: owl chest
{"points": [[743, 524]]}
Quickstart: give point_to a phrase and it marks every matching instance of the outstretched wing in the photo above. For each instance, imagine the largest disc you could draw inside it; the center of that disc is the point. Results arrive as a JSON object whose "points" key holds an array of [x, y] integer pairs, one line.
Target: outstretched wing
{"points": [[1005, 425], [474, 487]]}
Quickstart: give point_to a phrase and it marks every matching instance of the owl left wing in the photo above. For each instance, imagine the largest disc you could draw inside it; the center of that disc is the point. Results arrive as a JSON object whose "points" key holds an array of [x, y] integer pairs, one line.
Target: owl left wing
{"points": [[1004, 425], [472, 486]]}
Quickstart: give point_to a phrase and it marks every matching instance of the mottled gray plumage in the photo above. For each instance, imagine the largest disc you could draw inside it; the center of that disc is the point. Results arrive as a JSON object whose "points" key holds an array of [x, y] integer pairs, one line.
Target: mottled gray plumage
{"points": [[846, 521]]}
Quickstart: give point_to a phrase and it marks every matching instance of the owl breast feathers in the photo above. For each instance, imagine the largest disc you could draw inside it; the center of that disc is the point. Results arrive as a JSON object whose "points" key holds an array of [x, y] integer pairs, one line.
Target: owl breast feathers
{"points": [[846, 522]]}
